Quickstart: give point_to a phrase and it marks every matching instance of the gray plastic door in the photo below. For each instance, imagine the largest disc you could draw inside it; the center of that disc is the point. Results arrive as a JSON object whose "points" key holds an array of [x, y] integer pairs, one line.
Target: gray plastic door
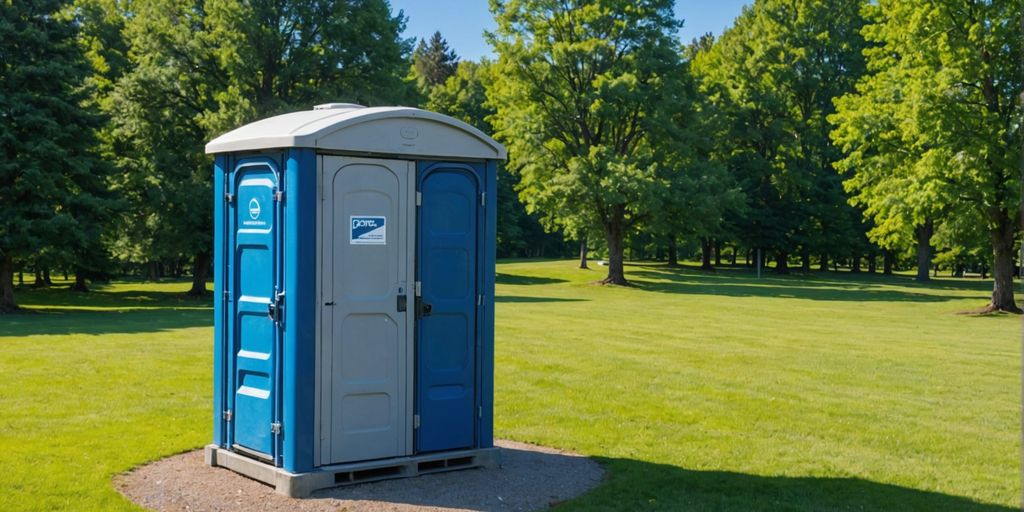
{"points": [[367, 330]]}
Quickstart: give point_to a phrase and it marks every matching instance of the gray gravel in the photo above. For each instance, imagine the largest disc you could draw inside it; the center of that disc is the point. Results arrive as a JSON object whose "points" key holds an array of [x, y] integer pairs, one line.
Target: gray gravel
{"points": [[530, 478]]}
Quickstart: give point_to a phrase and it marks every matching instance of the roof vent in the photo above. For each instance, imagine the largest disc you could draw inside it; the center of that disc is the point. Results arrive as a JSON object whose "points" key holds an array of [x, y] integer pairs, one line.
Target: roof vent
{"points": [[332, 106]]}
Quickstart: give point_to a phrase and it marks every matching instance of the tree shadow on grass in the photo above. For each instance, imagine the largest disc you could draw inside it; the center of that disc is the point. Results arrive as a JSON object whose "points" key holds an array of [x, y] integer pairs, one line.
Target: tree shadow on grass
{"points": [[821, 278], [639, 485], [106, 297], [514, 298], [104, 310], [526, 280], [80, 321], [737, 285]]}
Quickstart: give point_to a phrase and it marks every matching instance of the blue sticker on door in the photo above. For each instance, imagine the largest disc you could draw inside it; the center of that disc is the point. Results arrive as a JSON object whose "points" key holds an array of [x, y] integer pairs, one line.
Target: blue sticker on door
{"points": [[368, 230]]}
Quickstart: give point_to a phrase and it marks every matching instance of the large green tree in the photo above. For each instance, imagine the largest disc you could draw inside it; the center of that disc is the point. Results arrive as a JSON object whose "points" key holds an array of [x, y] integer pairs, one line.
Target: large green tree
{"points": [[49, 176], [463, 95], [200, 68], [941, 109], [774, 75], [703, 198], [586, 92]]}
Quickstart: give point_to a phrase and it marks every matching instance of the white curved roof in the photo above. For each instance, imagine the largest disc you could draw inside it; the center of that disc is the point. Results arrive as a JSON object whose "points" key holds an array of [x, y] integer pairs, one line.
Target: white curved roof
{"points": [[345, 127]]}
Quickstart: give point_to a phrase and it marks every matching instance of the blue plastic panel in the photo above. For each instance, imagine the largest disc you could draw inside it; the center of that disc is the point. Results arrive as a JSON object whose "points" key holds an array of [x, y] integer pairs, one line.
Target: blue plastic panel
{"points": [[219, 312], [300, 274], [485, 432], [449, 253]]}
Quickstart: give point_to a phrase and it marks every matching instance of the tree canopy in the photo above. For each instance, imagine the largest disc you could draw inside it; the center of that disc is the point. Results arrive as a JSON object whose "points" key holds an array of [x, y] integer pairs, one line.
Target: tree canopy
{"points": [[932, 132], [819, 133], [586, 101]]}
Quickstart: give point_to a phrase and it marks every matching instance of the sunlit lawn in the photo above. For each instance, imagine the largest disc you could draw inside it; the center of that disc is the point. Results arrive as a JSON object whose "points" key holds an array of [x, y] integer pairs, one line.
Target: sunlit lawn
{"points": [[698, 391]]}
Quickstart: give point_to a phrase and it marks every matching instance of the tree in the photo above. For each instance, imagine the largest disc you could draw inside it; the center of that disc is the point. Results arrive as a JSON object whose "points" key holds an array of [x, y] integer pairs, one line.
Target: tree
{"points": [[49, 171], [774, 74], [433, 63], [940, 107], [200, 68], [586, 92], [702, 195], [464, 96]]}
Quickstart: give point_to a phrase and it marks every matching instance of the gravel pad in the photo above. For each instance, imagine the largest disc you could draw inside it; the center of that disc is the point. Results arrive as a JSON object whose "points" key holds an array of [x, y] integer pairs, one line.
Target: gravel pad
{"points": [[530, 478]]}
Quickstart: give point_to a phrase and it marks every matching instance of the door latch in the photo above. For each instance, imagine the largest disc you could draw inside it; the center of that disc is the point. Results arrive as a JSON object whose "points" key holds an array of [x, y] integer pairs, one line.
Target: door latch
{"points": [[274, 307], [423, 308], [402, 303]]}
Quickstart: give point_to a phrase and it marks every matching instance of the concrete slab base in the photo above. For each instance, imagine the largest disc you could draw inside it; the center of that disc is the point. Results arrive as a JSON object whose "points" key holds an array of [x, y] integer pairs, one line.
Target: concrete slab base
{"points": [[301, 485]]}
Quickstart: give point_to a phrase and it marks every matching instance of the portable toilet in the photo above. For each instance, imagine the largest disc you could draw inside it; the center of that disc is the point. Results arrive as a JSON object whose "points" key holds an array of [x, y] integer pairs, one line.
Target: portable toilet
{"points": [[354, 311]]}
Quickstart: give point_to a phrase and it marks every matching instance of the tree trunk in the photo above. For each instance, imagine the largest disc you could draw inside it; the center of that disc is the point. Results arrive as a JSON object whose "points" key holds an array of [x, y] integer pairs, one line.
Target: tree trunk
{"points": [[805, 260], [583, 253], [46, 277], [856, 264], [65, 272], [154, 270], [887, 262], [781, 262], [705, 254], [823, 263], [1002, 264], [79, 285], [733, 261], [200, 270], [613, 235], [872, 263], [718, 253], [923, 233], [673, 252], [38, 282], [749, 252], [21, 278], [7, 304]]}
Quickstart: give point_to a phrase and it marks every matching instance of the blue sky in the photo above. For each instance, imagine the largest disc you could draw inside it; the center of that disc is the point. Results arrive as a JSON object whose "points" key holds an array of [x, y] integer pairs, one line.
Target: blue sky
{"points": [[462, 22]]}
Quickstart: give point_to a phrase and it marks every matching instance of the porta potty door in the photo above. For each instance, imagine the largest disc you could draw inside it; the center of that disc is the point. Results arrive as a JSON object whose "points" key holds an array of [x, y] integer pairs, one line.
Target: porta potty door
{"points": [[254, 295], [450, 219], [366, 346]]}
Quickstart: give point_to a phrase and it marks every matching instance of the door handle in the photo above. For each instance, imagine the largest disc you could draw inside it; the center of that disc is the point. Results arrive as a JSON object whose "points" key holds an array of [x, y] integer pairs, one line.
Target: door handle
{"points": [[423, 308], [402, 303]]}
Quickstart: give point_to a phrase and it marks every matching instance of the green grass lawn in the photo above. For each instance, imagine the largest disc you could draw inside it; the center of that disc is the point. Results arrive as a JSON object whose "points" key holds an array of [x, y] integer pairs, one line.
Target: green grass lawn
{"points": [[698, 391]]}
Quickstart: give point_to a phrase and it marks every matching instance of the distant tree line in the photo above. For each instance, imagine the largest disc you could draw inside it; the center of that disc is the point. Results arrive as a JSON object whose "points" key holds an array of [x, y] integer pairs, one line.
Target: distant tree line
{"points": [[867, 134]]}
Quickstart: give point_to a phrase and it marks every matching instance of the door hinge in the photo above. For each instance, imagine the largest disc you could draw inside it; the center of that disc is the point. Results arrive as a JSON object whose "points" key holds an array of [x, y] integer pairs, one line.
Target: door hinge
{"points": [[416, 421], [483, 198], [278, 196], [226, 415], [480, 411], [275, 427], [229, 197], [479, 300], [419, 198], [419, 288]]}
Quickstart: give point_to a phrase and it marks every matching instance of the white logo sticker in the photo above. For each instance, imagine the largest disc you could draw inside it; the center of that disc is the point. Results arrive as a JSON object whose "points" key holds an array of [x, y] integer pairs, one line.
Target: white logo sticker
{"points": [[367, 230], [254, 209]]}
